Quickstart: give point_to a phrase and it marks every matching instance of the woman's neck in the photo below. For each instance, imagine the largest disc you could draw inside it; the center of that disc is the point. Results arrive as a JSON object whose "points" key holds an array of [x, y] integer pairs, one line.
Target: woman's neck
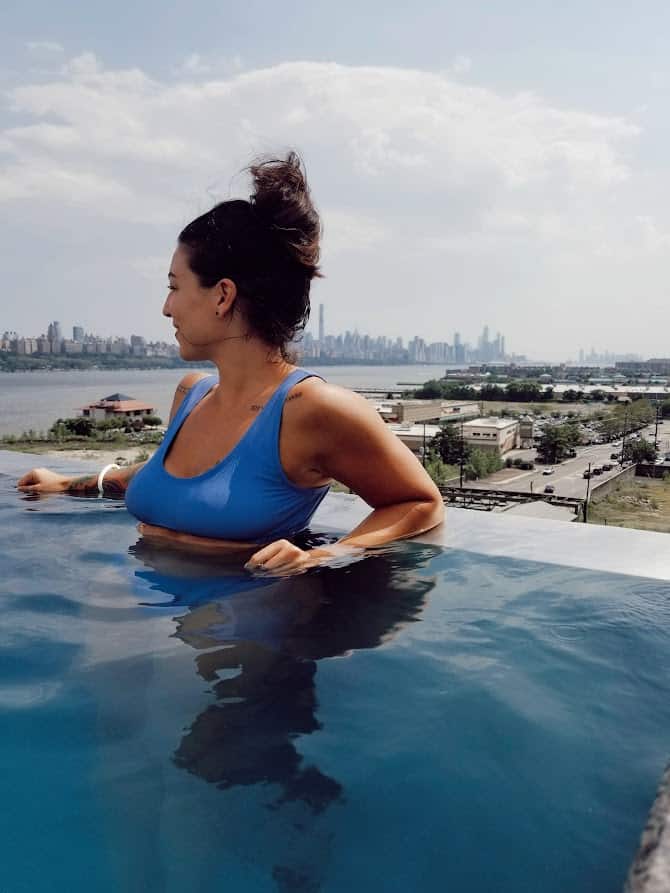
{"points": [[248, 365]]}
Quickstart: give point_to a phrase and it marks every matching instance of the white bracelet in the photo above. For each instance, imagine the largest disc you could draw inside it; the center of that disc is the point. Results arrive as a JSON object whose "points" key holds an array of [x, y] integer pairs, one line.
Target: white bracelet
{"points": [[102, 475]]}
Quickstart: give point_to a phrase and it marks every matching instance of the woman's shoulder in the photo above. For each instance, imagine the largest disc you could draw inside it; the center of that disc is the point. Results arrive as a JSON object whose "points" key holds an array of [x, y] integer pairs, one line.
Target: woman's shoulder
{"points": [[189, 380], [184, 387], [319, 401]]}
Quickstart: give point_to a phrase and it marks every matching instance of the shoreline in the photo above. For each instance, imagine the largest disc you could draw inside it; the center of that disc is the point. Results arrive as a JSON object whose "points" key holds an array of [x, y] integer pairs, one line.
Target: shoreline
{"points": [[128, 455], [205, 367]]}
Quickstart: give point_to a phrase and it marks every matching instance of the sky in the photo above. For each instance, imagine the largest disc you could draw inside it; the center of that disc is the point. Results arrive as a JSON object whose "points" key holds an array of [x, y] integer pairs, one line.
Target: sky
{"points": [[474, 164]]}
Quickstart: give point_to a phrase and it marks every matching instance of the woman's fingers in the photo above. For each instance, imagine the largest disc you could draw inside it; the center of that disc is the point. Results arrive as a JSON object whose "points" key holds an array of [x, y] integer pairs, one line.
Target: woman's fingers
{"points": [[31, 479], [41, 480], [279, 554]]}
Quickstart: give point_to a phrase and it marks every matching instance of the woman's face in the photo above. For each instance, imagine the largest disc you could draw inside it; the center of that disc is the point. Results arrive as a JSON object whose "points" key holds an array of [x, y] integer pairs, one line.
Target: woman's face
{"points": [[192, 309]]}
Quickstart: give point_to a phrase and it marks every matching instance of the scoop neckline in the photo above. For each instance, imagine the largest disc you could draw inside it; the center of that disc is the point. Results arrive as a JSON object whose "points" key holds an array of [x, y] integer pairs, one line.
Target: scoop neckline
{"points": [[209, 471]]}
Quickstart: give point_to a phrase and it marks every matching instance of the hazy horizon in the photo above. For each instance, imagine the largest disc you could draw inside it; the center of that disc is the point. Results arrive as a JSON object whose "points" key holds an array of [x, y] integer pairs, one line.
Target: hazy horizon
{"points": [[501, 167]]}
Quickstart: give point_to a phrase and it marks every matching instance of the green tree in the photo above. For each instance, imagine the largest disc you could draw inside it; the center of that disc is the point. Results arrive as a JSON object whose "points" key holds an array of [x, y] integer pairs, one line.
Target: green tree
{"points": [[481, 463], [524, 391], [493, 392], [438, 470], [447, 444], [430, 390], [639, 450], [556, 441]]}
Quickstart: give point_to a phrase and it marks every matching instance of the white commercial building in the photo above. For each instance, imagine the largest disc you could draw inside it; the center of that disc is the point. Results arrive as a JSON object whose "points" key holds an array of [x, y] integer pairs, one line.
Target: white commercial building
{"points": [[492, 434], [416, 437], [411, 411]]}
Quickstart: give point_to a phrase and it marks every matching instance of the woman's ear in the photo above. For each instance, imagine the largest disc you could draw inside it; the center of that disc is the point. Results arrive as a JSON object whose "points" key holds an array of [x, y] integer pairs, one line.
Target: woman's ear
{"points": [[227, 293]]}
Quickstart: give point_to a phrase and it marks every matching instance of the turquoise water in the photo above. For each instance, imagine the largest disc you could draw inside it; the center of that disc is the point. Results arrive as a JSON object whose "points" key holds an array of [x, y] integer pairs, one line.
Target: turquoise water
{"points": [[424, 720]]}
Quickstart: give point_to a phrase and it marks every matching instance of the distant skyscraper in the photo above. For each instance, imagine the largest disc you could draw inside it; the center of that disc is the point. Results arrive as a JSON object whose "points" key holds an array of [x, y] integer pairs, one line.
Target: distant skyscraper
{"points": [[322, 333], [77, 333], [54, 333]]}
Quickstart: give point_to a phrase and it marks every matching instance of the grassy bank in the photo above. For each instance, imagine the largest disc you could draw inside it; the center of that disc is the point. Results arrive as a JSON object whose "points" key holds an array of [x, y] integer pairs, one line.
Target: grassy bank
{"points": [[495, 407], [52, 446], [643, 504], [123, 451]]}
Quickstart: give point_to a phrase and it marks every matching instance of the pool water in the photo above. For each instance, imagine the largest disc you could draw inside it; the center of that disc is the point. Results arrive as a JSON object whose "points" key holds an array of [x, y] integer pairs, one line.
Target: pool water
{"points": [[422, 720]]}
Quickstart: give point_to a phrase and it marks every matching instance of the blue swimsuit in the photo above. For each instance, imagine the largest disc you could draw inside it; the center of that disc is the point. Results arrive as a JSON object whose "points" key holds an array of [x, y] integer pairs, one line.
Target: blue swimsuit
{"points": [[246, 496]]}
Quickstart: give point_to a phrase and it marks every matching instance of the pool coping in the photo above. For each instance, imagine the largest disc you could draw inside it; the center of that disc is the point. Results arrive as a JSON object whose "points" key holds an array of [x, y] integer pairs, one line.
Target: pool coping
{"points": [[616, 550]]}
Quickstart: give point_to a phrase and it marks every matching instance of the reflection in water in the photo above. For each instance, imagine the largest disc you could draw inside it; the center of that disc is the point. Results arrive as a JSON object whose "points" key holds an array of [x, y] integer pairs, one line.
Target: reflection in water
{"points": [[258, 642]]}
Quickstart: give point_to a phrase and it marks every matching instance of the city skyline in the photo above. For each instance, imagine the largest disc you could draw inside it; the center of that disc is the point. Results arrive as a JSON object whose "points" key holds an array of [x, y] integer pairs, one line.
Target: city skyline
{"points": [[348, 344]]}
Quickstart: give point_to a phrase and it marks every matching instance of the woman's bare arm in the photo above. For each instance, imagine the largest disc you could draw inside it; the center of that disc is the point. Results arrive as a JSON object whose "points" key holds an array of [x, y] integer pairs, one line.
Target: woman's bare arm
{"points": [[353, 445], [41, 481]]}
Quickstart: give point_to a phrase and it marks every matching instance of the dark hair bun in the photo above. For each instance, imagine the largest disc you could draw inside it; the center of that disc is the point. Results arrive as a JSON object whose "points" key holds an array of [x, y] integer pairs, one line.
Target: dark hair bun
{"points": [[282, 200]]}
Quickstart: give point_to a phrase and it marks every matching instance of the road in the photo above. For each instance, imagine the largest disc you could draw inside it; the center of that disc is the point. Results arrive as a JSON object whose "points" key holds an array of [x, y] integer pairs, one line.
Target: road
{"points": [[567, 478]]}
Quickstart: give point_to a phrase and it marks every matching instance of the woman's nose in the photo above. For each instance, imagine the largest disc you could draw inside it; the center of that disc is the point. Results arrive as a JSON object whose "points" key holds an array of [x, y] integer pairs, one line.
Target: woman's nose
{"points": [[166, 307]]}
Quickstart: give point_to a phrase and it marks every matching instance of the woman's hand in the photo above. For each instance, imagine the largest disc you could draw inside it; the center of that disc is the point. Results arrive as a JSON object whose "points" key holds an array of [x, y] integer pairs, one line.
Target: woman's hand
{"points": [[41, 480], [283, 557]]}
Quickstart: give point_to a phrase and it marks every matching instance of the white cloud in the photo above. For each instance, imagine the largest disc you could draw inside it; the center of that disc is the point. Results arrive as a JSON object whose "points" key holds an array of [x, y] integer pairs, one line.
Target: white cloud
{"points": [[44, 46], [410, 167], [196, 65], [461, 65]]}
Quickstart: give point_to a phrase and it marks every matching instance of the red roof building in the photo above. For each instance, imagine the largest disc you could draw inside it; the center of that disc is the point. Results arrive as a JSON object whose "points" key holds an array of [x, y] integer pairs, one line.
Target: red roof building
{"points": [[116, 405]]}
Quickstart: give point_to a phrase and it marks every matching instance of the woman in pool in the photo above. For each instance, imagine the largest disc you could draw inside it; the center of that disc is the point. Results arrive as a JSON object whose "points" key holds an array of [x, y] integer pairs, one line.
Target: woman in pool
{"points": [[250, 453]]}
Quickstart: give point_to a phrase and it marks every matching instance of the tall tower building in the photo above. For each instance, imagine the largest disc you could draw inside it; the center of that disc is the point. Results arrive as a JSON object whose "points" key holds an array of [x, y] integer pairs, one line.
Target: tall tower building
{"points": [[322, 333], [77, 333]]}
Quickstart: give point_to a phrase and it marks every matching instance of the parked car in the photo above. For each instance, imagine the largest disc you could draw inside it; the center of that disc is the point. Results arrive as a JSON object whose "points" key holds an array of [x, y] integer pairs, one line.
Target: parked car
{"points": [[549, 488], [587, 474], [548, 471], [596, 470], [614, 456], [607, 466]]}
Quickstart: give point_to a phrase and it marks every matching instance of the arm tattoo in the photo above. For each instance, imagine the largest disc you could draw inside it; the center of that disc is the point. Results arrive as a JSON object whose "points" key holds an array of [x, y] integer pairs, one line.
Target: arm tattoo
{"points": [[294, 396], [182, 389], [83, 486]]}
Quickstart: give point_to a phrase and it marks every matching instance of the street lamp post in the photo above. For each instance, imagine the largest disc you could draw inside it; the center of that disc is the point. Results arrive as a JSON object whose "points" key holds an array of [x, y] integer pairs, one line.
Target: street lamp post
{"points": [[423, 449], [658, 410], [462, 456], [586, 501], [623, 441]]}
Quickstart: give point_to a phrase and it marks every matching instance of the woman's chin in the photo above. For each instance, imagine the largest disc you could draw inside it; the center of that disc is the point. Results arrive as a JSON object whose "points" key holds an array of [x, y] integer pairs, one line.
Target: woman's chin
{"points": [[186, 352], [191, 352]]}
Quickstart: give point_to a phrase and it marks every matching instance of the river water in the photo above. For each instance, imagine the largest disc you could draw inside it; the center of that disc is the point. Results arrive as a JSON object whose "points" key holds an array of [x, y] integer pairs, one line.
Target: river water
{"points": [[36, 399]]}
